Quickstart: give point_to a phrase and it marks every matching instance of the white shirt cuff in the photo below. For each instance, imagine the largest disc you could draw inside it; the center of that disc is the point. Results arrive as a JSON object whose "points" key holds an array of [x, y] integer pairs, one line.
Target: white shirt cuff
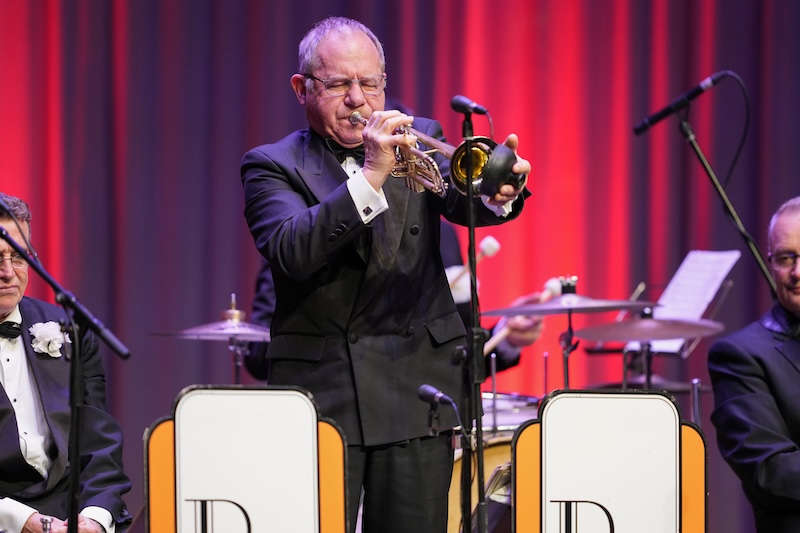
{"points": [[499, 210], [101, 516], [13, 515], [369, 202]]}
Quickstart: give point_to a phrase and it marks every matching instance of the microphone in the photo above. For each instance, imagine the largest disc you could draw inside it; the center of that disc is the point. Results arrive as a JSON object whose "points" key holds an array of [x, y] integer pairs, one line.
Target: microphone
{"points": [[432, 395], [680, 102], [462, 104]]}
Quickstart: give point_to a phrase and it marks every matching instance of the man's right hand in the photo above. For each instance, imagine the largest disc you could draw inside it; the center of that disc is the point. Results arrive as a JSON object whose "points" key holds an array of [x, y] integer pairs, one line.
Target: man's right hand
{"points": [[379, 142], [34, 524]]}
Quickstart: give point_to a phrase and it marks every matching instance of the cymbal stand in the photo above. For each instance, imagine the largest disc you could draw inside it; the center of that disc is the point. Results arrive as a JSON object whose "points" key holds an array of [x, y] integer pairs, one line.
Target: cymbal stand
{"points": [[493, 369], [647, 352], [567, 346], [239, 349], [566, 338]]}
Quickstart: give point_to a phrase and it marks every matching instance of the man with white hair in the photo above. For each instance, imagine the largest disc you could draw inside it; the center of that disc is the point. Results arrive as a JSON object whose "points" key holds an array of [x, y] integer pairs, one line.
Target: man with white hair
{"points": [[364, 314], [755, 373]]}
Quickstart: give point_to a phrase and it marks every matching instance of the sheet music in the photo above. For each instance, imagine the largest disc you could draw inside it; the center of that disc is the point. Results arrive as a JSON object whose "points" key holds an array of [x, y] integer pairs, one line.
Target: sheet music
{"points": [[690, 292]]}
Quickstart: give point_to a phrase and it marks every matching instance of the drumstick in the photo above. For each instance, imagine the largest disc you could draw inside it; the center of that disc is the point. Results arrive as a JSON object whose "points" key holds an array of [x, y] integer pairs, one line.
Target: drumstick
{"points": [[551, 288], [487, 248]]}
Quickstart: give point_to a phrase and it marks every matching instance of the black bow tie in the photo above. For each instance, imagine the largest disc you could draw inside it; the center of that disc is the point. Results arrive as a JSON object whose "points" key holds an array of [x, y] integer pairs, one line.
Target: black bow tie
{"points": [[343, 153], [10, 330]]}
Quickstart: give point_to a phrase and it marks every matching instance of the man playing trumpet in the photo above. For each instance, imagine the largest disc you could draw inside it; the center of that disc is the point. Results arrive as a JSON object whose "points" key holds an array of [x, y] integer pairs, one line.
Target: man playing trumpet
{"points": [[363, 311]]}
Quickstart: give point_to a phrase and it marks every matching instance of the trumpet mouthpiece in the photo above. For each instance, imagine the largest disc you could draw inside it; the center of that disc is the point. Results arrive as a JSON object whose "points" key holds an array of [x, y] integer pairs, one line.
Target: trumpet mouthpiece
{"points": [[356, 118]]}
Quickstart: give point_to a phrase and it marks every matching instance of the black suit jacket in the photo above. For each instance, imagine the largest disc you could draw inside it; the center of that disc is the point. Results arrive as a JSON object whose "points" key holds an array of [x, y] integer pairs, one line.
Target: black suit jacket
{"points": [[102, 479], [755, 373], [256, 359], [363, 314]]}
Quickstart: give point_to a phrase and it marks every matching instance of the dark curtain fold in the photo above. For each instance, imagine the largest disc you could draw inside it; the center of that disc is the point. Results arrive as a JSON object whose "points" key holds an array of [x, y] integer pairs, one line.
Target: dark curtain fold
{"points": [[123, 124]]}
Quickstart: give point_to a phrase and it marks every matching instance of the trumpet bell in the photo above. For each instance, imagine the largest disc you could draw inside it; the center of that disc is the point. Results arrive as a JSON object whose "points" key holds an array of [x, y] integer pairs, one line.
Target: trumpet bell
{"points": [[491, 167]]}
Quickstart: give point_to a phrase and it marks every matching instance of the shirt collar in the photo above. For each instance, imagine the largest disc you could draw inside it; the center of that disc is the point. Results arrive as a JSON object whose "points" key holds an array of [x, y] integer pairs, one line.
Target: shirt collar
{"points": [[14, 316]]}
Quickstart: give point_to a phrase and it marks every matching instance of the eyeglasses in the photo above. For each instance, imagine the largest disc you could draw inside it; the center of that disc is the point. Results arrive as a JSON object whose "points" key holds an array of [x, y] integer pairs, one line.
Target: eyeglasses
{"points": [[17, 262], [341, 86], [784, 260]]}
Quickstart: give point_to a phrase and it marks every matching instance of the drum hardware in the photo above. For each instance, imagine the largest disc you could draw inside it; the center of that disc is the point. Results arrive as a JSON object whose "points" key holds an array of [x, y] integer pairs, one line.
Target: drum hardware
{"points": [[647, 329], [233, 330], [569, 302], [697, 416], [491, 164]]}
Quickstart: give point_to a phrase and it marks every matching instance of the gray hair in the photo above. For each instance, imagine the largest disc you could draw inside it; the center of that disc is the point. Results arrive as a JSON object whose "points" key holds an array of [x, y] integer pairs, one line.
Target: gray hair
{"points": [[307, 59], [789, 206], [17, 206]]}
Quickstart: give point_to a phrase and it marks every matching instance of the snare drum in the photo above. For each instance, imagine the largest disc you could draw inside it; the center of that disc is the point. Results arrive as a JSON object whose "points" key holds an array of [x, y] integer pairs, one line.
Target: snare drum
{"points": [[512, 411]]}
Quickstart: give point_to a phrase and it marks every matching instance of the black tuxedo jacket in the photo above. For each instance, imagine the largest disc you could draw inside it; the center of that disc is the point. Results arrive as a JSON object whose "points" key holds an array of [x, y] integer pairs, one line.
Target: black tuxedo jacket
{"points": [[102, 479], [755, 373], [264, 306], [363, 314]]}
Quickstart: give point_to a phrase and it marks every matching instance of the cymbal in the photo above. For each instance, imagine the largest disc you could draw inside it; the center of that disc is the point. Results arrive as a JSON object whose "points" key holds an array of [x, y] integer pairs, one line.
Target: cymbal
{"points": [[650, 329], [225, 330], [570, 302], [656, 382]]}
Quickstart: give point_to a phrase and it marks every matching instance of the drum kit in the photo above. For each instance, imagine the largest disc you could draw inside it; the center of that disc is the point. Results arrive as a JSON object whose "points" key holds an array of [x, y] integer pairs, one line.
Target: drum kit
{"points": [[504, 413], [643, 329]]}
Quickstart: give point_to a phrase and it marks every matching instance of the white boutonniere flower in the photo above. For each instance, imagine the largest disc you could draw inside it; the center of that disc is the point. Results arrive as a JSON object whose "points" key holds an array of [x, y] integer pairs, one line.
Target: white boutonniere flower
{"points": [[48, 338]]}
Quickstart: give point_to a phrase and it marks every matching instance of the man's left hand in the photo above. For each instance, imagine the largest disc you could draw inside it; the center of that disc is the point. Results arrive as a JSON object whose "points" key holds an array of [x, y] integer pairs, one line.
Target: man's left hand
{"points": [[507, 192]]}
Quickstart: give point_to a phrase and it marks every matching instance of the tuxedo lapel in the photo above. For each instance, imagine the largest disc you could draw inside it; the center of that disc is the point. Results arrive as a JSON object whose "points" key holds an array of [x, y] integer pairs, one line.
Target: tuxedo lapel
{"points": [[51, 376], [790, 349], [318, 168]]}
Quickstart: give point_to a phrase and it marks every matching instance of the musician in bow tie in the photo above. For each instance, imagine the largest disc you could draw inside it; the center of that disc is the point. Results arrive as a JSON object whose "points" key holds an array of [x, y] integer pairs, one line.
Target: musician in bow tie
{"points": [[364, 314], [35, 411]]}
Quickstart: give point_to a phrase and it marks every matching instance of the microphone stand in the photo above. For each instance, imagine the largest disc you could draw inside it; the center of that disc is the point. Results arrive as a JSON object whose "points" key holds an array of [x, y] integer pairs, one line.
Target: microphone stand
{"points": [[78, 317], [474, 368], [688, 133]]}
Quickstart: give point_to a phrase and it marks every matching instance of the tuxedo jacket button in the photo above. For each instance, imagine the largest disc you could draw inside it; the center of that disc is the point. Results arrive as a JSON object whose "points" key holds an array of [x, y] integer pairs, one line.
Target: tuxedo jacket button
{"points": [[353, 338], [413, 230]]}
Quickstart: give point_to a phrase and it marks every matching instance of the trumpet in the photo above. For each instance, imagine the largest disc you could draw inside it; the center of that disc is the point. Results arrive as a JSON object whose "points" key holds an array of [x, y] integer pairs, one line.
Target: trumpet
{"points": [[491, 164]]}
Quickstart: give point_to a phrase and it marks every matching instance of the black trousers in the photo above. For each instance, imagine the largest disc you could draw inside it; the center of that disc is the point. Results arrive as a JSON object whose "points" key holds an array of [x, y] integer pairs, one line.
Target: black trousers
{"points": [[405, 485]]}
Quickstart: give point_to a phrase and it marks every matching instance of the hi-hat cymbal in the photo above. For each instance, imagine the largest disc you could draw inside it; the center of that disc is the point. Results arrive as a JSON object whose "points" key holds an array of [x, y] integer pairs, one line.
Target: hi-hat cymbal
{"points": [[225, 330], [650, 329], [570, 302]]}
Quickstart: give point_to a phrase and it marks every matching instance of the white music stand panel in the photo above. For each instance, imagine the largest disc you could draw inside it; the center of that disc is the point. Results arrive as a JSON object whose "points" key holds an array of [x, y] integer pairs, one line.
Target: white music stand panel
{"points": [[616, 457], [246, 455]]}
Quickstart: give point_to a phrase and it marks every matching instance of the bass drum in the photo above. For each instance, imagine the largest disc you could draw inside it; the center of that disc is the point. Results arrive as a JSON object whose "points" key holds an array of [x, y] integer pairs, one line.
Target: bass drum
{"points": [[496, 458]]}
